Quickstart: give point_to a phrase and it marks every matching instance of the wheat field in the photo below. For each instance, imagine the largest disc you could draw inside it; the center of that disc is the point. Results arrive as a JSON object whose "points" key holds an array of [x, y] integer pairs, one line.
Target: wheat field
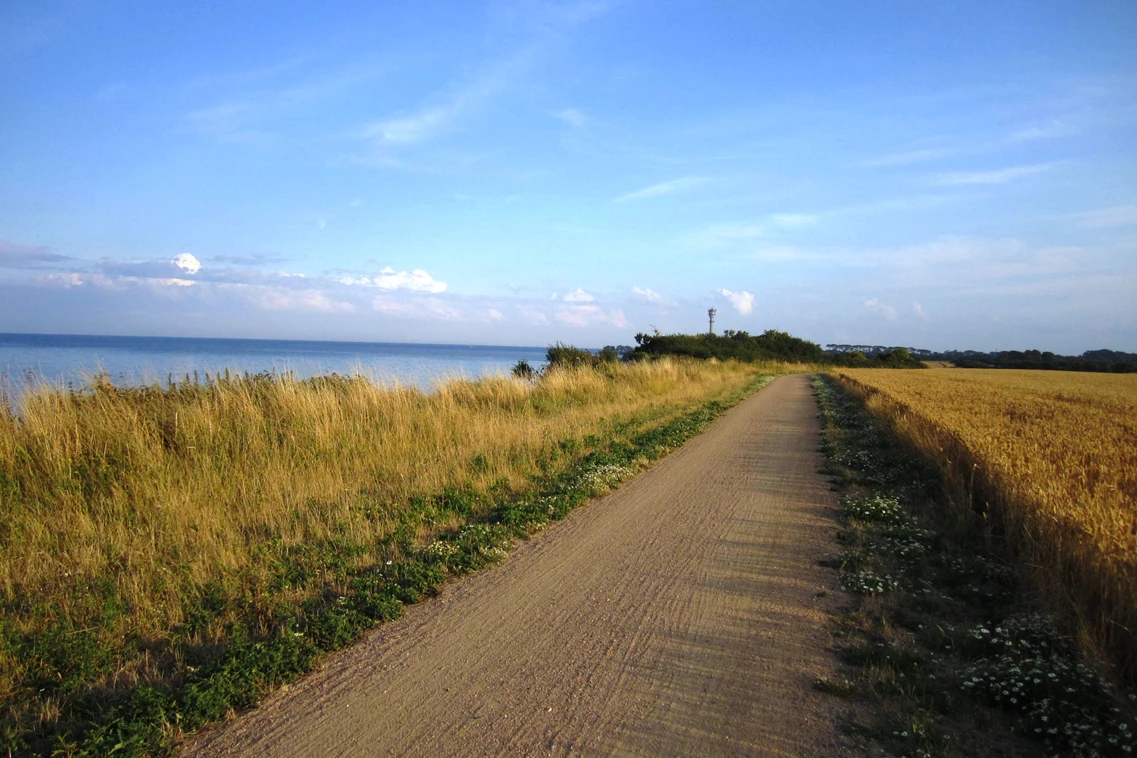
{"points": [[1051, 459]]}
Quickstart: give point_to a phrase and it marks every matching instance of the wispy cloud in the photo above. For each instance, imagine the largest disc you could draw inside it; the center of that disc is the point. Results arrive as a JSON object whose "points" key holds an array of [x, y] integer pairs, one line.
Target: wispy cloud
{"points": [[256, 259], [970, 147], [743, 302], [306, 300], [433, 120], [572, 117], [1122, 215], [716, 234], [15, 255], [873, 305], [646, 293], [721, 235], [431, 308], [582, 316], [793, 220], [417, 128], [908, 157], [996, 176], [253, 106], [173, 270], [782, 255], [1051, 130], [684, 184]]}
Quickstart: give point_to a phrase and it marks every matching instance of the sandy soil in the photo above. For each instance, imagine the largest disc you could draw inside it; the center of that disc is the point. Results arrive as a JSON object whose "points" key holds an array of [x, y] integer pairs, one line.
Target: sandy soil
{"points": [[682, 615]]}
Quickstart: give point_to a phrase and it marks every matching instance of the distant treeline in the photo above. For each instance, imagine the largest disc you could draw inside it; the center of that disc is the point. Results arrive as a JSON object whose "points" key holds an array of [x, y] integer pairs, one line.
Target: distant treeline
{"points": [[1106, 361], [771, 345]]}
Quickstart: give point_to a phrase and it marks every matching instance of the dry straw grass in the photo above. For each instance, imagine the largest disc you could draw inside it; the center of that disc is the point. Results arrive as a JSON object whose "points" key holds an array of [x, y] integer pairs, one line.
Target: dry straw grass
{"points": [[124, 510], [1051, 457]]}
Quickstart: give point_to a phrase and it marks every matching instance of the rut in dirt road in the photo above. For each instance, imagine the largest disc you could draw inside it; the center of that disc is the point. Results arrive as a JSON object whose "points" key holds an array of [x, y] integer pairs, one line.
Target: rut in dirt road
{"points": [[684, 614]]}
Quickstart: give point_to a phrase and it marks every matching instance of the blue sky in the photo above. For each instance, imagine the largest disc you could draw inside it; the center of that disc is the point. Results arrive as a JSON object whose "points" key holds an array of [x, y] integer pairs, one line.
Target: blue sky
{"points": [[934, 174]]}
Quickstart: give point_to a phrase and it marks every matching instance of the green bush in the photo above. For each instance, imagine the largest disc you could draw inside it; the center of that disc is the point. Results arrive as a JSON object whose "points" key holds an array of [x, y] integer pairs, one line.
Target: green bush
{"points": [[561, 355]]}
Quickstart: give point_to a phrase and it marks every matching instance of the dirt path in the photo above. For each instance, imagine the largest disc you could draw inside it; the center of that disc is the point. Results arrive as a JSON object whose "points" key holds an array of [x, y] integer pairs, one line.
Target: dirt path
{"points": [[682, 615]]}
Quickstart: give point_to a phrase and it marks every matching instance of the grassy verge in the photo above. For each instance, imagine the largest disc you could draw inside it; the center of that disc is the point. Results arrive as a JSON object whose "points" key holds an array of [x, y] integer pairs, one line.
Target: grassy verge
{"points": [[945, 649], [173, 554]]}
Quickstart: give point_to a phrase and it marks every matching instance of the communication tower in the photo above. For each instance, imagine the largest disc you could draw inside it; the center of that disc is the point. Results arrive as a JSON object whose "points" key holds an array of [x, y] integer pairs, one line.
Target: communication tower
{"points": [[711, 313]]}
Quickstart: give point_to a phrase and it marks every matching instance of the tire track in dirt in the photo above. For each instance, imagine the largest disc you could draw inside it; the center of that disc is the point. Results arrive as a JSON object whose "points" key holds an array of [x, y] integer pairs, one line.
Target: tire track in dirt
{"points": [[684, 614]]}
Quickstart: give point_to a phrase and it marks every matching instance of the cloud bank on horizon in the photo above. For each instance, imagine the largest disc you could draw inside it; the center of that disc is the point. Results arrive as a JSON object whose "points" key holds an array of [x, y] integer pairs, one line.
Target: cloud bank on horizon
{"points": [[522, 173]]}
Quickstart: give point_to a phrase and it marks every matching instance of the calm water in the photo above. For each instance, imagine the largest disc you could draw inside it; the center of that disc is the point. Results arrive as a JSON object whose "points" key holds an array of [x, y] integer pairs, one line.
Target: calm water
{"points": [[69, 359]]}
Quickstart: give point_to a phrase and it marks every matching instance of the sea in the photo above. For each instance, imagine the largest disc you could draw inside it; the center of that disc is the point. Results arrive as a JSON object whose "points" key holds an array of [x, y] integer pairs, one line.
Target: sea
{"points": [[67, 360]]}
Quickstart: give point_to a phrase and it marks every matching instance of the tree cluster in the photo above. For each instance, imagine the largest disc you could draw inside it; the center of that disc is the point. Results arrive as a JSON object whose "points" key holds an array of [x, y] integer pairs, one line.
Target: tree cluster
{"points": [[741, 346]]}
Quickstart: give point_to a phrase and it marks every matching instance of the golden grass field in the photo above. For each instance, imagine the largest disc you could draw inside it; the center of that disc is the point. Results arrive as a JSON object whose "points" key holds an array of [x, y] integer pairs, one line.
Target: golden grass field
{"points": [[127, 511], [1052, 456]]}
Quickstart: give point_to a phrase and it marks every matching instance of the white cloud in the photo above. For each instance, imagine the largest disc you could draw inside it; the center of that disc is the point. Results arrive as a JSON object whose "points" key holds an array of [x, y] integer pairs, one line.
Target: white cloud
{"points": [[743, 302], [666, 188], [579, 296], [646, 293], [618, 319], [919, 310], [389, 279], [1123, 215], [572, 117], [875, 306], [187, 262], [997, 176], [495, 315]]}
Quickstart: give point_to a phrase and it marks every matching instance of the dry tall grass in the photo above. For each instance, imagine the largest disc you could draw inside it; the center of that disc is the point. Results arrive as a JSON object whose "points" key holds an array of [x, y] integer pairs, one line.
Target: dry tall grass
{"points": [[1053, 456], [125, 510]]}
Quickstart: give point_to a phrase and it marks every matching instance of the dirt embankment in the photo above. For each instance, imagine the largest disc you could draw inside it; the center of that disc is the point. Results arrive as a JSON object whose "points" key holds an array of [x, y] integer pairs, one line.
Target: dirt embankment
{"points": [[682, 615]]}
